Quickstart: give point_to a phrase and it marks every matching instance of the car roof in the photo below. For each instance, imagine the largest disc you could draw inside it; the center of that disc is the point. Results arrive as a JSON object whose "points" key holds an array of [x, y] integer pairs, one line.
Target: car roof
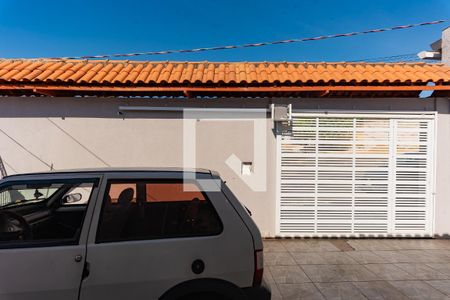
{"points": [[114, 170]]}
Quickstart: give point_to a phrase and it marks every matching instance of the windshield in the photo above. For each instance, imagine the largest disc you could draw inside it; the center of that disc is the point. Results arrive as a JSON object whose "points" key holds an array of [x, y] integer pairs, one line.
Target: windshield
{"points": [[22, 194]]}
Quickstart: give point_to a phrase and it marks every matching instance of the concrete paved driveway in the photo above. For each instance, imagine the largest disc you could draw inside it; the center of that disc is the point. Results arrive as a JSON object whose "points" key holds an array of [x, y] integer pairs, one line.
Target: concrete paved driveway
{"points": [[358, 269]]}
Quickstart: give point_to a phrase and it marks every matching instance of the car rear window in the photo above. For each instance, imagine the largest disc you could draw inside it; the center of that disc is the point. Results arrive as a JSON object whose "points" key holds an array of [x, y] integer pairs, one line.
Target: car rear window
{"points": [[155, 210]]}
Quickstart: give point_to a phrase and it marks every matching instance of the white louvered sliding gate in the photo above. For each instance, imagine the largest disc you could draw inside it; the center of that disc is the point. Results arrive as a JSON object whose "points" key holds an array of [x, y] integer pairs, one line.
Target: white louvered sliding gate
{"points": [[356, 175]]}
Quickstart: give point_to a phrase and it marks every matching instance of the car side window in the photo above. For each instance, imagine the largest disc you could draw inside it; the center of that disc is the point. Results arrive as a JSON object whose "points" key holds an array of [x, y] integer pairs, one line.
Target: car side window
{"points": [[155, 210], [33, 214]]}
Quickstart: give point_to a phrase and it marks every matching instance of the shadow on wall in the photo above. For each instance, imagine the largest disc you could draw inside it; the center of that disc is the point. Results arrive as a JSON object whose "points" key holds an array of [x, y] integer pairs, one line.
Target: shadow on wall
{"points": [[89, 107]]}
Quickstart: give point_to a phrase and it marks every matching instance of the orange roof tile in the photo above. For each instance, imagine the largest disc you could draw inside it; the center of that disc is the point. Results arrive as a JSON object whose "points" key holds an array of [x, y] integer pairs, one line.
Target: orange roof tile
{"points": [[97, 73], [176, 73]]}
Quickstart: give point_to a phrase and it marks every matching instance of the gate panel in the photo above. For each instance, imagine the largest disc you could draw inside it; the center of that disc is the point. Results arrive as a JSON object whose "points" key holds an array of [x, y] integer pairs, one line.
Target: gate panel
{"points": [[356, 175]]}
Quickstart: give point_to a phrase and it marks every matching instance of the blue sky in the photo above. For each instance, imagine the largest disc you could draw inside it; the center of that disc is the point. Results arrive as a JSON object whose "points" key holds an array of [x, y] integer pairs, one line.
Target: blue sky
{"points": [[74, 28]]}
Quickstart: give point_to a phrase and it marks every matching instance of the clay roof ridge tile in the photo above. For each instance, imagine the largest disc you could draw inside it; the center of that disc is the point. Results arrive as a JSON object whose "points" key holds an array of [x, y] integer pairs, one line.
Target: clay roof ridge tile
{"points": [[112, 74], [144, 73], [89, 75], [176, 73], [209, 73], [102, 72], [134, 73], [13, 69], [155, 73], [165, 73], [46, 69], [80, 73], [126, 71], [69, 72], [220, 73], [187, 73], [197, 73], [230, 74], [120, 78], [57, 71], [27, 70]]}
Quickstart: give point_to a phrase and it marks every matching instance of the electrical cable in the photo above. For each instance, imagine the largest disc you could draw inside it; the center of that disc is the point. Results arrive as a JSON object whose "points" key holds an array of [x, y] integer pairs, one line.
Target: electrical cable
{"points": [[295, 40], [79, 143], [398, 57], [9, 166], [26, 149]]}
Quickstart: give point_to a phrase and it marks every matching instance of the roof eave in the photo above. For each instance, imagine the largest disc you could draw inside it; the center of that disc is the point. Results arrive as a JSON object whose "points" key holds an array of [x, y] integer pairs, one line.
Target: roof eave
{"points": [[192, 92]]}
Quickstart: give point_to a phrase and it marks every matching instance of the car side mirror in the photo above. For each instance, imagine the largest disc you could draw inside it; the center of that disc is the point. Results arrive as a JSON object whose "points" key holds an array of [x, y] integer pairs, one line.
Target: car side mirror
{"points": [[72, 198]]}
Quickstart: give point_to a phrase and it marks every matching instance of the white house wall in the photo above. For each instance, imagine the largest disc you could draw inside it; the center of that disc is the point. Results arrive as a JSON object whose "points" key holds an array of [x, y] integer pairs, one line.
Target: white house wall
{"points": [[155, 139]]}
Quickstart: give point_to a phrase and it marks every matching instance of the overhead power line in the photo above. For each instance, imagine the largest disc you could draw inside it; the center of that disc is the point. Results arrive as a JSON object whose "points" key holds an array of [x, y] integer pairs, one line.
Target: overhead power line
{"points": [[409, 57], [398, 57], [2, 169], [26, 149], [79, 143], [9, 166], [261, 44]]}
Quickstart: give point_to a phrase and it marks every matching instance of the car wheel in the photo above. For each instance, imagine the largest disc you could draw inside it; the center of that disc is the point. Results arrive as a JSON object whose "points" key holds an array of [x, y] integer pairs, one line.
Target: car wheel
{"points": [[204, 296]]}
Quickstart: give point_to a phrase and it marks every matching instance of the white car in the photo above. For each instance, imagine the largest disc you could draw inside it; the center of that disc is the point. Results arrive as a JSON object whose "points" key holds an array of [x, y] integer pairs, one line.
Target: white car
{"points": [[127, 234]]}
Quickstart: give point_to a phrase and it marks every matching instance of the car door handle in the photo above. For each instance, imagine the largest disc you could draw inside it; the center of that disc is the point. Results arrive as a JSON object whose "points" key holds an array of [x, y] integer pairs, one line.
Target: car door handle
{"points": [[78, 258]]}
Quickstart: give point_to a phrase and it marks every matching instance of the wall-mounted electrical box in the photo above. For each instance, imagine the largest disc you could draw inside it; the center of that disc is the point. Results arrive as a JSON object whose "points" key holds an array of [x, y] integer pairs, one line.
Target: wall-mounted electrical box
{"points": [[281, 113]]}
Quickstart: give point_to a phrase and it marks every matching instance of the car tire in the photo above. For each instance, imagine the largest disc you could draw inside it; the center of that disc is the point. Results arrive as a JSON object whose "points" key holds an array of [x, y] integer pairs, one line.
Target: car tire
{"points": [[205, 296], [205, 289]]}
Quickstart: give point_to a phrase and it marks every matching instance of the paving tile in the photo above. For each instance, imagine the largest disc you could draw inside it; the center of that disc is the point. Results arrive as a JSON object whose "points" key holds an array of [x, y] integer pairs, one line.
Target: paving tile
{"points": [[379, 290], [300, 291], [392, 244], [274, 246], [308, 258], [288, 274], [393, 256], [425, 256], [375, 244], [321, 246], [433, 244], [421, 256], [296, 245], [421, 244], [418, 290], [421, 271], [444, 268], [442, 286], [340, 290], [341, 244], [412, 244], [276, 294], [366, 257], [309, 246], [278, 259], [389, 272], [273, 286], [268, 276], [338, 258], [445, 244], [323, 258], [442, 255], [338, 273]]}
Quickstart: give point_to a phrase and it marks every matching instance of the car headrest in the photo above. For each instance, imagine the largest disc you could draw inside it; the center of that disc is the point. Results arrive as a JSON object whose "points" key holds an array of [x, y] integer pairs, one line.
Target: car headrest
{"points": [[126, 196]]}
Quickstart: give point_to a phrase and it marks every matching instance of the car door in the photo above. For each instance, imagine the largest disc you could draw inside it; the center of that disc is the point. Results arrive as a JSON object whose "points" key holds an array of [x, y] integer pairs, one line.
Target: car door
{"points": [[154, 248], [46, 267]]}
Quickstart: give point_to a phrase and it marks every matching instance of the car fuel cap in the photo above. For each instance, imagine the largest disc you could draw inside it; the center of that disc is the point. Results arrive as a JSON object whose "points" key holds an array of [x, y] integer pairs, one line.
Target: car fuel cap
{"points": [[198, 266]]}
